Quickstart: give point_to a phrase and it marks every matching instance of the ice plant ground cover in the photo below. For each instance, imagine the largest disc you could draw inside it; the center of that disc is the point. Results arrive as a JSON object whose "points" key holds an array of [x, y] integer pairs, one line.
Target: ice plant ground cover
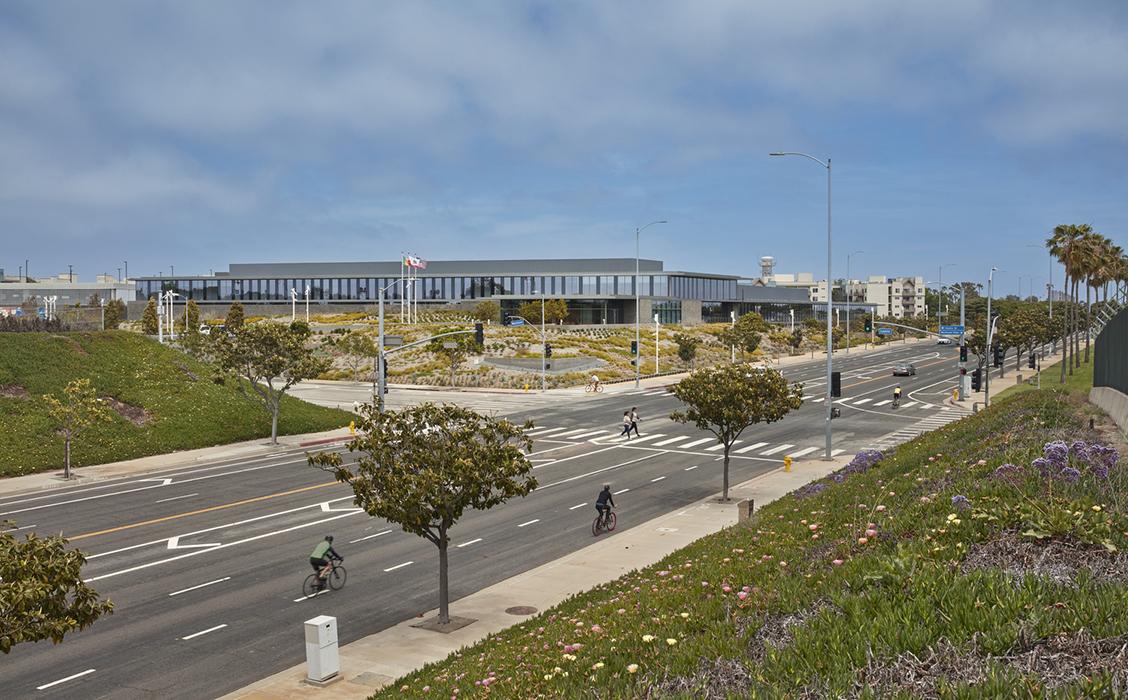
{"points": [[970, 562], [163, 401]]}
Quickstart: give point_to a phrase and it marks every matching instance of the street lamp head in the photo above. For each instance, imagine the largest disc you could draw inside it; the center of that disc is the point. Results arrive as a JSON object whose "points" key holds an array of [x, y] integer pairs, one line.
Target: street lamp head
{"points": [[778, 153]]}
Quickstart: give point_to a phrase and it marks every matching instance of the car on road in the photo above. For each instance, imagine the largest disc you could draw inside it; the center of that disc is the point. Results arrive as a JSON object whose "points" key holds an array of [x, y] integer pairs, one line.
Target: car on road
{"points": [[905, 369], [943, 341]]}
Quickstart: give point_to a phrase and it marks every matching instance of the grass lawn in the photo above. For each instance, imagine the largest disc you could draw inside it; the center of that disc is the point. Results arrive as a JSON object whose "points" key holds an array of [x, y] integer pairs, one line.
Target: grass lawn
{"points": [[974, 561], [1078, 383], [174, 398]]}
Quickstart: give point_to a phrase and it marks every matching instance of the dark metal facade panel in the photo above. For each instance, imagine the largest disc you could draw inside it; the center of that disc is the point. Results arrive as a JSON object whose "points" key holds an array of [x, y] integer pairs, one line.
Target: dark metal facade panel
{"points": [[563, 266], [1110, 354]]}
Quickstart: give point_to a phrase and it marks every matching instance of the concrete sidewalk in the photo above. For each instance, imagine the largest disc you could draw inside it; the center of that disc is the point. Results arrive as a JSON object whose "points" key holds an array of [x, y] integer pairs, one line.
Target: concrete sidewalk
{"points": [[1007, 381], [174, 460], [378, 659]]}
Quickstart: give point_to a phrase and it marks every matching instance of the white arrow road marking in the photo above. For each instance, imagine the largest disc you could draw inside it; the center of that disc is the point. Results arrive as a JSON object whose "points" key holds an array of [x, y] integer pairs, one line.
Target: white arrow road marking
{"points": [[174, 543], [209, 583], [45, 686]]}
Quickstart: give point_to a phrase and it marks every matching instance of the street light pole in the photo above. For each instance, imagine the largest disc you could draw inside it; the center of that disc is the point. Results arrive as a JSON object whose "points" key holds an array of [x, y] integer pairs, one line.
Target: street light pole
{"points": [[829, 295], [638, 306], [848, 301], [940, 292], [990, 328], [544, 346]]}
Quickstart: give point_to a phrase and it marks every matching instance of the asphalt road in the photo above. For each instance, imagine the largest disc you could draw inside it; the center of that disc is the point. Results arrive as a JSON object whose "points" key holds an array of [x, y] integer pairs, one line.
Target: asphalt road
{"points": [[205, 564]]}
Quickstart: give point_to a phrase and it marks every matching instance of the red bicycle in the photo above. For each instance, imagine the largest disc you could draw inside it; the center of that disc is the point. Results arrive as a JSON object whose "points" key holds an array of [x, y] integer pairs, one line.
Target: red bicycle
{"points": [[603, 522]]}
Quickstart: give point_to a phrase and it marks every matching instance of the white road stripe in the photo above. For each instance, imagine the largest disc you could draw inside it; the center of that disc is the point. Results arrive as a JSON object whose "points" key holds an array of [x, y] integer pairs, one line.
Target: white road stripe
{"points": [[820, 400], [202, 632], [749, 448], [398, 566], [805, 450], [616, 493], [578, 505], [697, 442], [672, 440], [582, 436], [17, 529], [781, 448], [467, 544], [689, 469], [534, 520], [304, 598], [176, 498], [657, 478], [835, 453], [656, 393], [209, 583], [882, 403], [368, 537], [544, 431], [720, 446], [571, 433], [859, 402], [64, 680], [644, 438], [908, 404]]}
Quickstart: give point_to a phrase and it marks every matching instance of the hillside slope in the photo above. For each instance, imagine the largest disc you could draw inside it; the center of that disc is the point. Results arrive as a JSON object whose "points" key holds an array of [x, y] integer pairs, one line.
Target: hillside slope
{"points": [[163, 401]]}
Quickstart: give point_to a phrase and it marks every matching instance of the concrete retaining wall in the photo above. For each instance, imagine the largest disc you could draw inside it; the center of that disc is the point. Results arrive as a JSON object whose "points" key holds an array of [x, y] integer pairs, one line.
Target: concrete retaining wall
{"points": [[1114, 403]]}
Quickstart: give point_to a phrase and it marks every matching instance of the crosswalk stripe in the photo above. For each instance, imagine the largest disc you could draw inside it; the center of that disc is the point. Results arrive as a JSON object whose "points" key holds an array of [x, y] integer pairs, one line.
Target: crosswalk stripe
{"points": [[835, 453], [648, 436], [820, 400], [926, 406], [753, 446], [882, 403], [909, 404], [583, 436], [656, 393], [571, 433], [697, 442], [720, 445], [859, 402], [544, 431], [805, 450], [672, 440], [781, 448]]}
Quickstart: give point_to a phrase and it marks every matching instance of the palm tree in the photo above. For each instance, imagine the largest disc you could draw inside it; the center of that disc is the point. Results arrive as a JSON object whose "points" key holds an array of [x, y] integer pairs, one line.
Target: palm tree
{"points": [[1063, 244]]}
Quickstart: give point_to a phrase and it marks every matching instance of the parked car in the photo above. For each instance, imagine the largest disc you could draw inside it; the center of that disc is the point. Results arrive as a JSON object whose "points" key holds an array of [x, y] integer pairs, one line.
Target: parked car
{"points": [[205, 329], [943, 341], [904, 370]]}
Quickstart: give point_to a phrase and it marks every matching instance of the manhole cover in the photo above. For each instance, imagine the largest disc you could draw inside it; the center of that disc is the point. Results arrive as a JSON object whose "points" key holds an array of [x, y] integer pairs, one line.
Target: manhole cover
{"points": [[521, 610]]}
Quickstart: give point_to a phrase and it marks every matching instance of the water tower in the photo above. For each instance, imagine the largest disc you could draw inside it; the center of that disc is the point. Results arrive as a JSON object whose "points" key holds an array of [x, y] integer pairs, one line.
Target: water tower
{"points": [[767, 265]]}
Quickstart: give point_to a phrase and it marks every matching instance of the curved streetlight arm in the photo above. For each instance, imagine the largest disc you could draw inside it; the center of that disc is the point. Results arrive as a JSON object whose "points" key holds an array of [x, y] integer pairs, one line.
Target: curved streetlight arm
{"points": [[825, 164]]}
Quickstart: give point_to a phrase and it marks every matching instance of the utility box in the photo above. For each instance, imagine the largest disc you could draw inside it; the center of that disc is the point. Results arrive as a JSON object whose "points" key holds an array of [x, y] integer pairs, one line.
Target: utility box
{"points": [[322, 658], [744, 510]]}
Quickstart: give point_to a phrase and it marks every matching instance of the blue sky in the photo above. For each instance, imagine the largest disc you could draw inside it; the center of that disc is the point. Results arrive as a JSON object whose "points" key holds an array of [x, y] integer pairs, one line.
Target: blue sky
{"points": [[199, 134]]}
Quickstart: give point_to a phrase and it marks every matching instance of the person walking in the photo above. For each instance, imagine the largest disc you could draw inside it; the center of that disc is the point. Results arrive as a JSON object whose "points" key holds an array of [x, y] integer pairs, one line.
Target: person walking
{"points": [[634, 421], [626, 425]]}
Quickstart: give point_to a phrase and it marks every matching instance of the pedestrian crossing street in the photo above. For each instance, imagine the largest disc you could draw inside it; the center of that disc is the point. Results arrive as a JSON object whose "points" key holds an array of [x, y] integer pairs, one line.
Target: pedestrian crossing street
{"points": [[689, 443], [864, 401]]}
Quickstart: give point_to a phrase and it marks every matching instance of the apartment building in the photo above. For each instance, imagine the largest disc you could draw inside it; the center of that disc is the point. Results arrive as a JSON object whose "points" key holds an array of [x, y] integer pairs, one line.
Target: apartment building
{"points": [[900, 297]]}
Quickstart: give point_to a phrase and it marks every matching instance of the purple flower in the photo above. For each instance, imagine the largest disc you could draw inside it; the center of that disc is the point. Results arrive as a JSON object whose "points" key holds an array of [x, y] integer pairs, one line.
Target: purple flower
{"points": [[1042, 465], [1009, 473], [1078, 448], [1057, 453], [1070, 474], [960, 502]]}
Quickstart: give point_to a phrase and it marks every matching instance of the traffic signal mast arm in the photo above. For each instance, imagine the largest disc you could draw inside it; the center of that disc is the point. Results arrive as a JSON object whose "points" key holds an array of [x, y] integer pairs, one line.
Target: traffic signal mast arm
{"points": [[425, 340], [911, 328]]}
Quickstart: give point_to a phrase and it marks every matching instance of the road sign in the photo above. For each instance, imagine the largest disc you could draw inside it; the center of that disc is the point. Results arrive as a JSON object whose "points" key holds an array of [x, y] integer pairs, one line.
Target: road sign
{"points": [[391, 341], [450, 344], [516, 321], [951, 330], [885, 331]]}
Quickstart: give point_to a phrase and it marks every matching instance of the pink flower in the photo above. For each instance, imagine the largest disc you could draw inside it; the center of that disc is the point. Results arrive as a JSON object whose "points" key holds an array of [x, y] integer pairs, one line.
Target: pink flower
{"points": [[742, 595], [871, 533], [862, 540], [596, 628], [726, 588], [812, 527], [837, 562], [881, 509]]}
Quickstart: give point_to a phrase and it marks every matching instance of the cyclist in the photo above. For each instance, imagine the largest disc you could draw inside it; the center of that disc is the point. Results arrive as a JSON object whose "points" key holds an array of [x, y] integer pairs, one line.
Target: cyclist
{"points": [[897, 396], [604, 502], [319, 558], [594, 383]]}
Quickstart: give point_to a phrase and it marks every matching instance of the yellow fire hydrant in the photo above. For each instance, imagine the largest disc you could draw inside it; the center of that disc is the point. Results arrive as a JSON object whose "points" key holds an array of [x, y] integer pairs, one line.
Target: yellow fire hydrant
{"points": [[787, 463], [352, 427], [955, 394]]}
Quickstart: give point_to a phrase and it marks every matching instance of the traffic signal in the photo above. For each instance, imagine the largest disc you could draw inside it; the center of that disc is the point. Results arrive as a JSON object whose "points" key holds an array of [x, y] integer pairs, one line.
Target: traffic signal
{"points": [[998, 355], [547, 350], [479, 334], [1030, 362], [836, 384], [976, 380], [869, 324], [634, 347], [505, 319], [963, 353]]}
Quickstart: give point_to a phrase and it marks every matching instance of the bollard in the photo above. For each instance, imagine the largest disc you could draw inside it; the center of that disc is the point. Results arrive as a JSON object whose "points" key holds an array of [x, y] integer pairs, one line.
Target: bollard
{"points": [[975, 407], [787, 463], [744, 510], [322, 660]]}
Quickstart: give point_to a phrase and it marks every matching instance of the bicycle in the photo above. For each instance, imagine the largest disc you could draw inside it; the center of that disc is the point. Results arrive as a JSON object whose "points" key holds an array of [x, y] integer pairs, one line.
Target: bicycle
{"points": [[334, 575], [597, 387], [896, 401], [602, 523]]}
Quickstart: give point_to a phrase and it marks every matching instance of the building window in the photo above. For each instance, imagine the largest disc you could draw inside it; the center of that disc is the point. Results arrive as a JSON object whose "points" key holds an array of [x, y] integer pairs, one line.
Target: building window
{"points": [[668, 311]]}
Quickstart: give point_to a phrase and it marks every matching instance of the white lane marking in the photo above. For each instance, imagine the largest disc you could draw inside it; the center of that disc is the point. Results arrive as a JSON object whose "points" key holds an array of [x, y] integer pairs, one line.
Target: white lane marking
{"points": [[585, 454], [805, 450], [656, 393], [209, 583], [544, 431], [176, 498], [368, 537], [689, 469], [530, 522], [753, 446], [467, 544], [398, 566], [583, 436], [17, 529], [64, 680], [601, 470], [909, 404], [578, 505], [672, 440], [688, 445], [945, 408], [720, 446], [202, 632], [926, 406], [835, 453], [882, 403], [820, 400], [571, 433], [174, 543], [616, 493], [808, 398], [859, 402], [781, 448], [213, 549], [656, 479], [644, 438], [305, 598]]}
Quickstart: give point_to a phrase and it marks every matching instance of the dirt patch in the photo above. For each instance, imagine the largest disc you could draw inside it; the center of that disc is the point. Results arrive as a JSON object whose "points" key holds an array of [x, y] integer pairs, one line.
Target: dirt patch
{"points": [[1056, 560], [777, 631], [13, 391], [919, 676], [719, 678], [134, 414]]}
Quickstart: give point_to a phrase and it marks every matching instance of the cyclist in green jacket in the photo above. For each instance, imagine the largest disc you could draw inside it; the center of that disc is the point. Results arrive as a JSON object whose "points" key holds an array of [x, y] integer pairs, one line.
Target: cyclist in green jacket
{"points": [[320, 557]]}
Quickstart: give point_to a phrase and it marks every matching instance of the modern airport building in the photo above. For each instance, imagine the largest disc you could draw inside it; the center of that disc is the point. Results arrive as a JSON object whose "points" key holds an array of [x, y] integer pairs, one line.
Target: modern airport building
{"points": [[598, 290]]}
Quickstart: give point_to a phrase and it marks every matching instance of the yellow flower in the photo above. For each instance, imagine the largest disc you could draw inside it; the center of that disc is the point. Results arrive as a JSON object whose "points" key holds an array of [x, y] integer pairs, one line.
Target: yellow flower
{"points": [[1096, 509], [952, 516], [685, 616], [648, 638], [671, 641], [632, 668]]}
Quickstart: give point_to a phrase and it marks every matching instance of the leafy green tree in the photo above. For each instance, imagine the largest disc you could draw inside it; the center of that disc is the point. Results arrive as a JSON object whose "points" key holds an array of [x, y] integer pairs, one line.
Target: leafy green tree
{"points": [[687, 347], [358, 349], [77, 410], [149, 321], [796, 338], [271, 357], [115, 313], [555, 311], [486, 311], [461, 346], [745, 333], [42, 594], [725, 400], [234, 320], [193, 316], [422, 467]]}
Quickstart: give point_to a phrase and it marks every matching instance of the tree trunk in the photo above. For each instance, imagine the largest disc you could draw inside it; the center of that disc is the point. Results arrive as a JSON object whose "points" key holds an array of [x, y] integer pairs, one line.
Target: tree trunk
{"points": [[66, 458], [724, 489], [1088, 318], [444, 592], [274, 423], [452, 371], [1065, 341]]}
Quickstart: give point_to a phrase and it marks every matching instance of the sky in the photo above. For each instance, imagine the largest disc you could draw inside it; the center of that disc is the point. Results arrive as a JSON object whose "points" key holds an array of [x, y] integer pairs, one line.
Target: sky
{"points": [[197, 134]]}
